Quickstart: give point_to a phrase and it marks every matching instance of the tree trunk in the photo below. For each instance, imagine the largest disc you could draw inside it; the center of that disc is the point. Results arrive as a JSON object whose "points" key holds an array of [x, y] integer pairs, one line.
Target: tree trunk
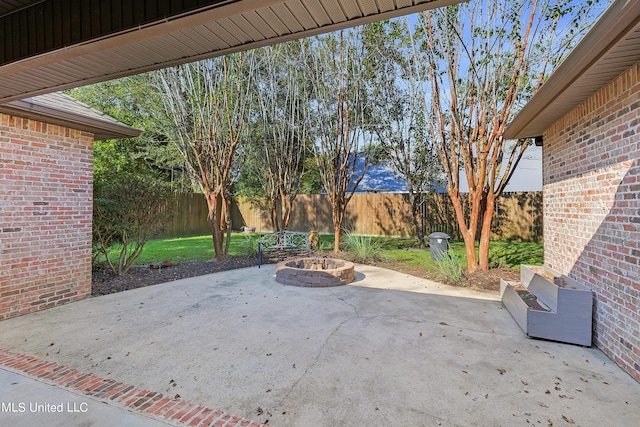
{"points": [[285, 215], [485, 233], [273, 212], [227, 222], [338, 216], [468, 231], [217, 240], [214, 201], [418, 221]]}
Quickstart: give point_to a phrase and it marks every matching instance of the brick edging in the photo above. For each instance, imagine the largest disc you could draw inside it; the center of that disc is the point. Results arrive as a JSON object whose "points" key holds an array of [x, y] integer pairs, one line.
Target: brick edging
{"points": [[144, 402]]}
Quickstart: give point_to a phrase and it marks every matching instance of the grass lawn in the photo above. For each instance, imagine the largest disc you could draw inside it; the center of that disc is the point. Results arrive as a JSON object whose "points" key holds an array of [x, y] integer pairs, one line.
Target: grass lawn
{"points": [[396, 250], [194, 248]]}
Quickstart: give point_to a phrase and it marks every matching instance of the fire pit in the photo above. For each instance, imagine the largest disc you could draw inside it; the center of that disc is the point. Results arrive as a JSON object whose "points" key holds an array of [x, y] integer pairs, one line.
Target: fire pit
{"points": [[315, 272]]}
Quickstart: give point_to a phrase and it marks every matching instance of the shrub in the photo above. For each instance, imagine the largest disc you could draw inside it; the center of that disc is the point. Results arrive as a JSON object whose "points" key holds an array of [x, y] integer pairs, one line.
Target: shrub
{"points": [[509, 255], [249, 245], [128, 210], [449, 267], [363, 249]]}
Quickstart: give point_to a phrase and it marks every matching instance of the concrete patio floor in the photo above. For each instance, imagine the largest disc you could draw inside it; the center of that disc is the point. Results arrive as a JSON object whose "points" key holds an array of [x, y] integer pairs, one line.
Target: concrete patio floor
{"points": [[389, 349]]}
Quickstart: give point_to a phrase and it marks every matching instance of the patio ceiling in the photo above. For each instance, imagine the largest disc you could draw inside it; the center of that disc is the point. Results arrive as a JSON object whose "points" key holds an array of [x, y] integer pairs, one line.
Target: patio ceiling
{"points": [[51, 45], [608, 50]]}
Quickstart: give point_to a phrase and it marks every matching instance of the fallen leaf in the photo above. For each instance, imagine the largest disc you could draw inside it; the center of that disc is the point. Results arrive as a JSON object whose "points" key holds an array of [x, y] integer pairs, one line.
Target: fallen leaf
{"points": [[260, 411], [502, 371], [441, 323], [420, 333], [568, 420], [542, 404], [524, 382], [268, 390], [52, 344], [584, 380], [177, 396], [547, 392]]}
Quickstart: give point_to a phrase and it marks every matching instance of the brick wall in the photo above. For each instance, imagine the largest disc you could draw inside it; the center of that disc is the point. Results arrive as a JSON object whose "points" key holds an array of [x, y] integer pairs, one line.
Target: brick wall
{"points": [[46, 192], [592, 210]]}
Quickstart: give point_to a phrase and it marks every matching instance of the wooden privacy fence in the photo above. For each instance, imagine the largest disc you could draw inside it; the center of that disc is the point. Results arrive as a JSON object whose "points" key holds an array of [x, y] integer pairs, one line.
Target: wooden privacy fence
{"points": [[518, 215]]}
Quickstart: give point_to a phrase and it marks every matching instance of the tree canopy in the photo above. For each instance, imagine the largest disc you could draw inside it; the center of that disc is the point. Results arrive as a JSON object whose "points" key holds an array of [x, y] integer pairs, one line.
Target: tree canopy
{"points": [[430, 94]]}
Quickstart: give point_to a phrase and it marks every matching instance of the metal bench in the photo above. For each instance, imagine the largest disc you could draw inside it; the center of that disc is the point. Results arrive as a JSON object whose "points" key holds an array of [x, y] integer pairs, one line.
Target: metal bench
{"points": [[283, 241]]}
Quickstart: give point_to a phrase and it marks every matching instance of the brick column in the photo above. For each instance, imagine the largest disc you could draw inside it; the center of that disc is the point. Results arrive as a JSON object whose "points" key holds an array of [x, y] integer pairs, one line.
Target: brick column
{"points": [[46, 202]]}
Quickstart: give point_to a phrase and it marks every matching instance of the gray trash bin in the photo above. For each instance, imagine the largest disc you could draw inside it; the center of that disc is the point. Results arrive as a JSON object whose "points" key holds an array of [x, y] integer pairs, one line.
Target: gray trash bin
{"points": [[439, 244]]}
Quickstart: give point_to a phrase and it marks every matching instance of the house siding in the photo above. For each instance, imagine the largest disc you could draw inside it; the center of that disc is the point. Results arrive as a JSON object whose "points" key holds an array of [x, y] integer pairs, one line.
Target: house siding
{"points": [[46, 194], [591, 204]]}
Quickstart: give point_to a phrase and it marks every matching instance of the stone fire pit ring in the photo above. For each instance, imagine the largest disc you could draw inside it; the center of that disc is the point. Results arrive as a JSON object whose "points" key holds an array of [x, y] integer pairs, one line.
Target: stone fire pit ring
{"points": [[315, 272]]}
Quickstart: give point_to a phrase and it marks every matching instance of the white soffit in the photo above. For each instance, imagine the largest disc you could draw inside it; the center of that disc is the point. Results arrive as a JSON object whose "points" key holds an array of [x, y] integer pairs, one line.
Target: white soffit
{"points": [[230, 27]]}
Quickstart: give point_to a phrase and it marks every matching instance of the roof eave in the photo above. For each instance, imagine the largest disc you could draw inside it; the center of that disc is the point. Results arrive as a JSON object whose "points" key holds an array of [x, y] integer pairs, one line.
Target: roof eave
{"points": [[99, 128]]}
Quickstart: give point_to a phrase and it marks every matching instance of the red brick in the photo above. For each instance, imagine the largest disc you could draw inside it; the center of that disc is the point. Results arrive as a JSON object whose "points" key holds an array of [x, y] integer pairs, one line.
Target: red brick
{"points": [[191, 414], [175, 409], [183, 411], [159, 405], [34, 153], [591, 207]]}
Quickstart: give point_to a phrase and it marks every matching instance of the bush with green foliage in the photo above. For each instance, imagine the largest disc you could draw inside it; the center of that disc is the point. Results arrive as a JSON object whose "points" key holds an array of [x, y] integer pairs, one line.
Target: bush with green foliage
{"points": [[505, 255], [249, 244], [129, 209], [450, 267], [363, 249]]}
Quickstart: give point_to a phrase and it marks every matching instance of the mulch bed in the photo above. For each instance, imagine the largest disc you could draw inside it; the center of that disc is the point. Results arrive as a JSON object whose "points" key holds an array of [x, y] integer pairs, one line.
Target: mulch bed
{"points": [[104, 281]]}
